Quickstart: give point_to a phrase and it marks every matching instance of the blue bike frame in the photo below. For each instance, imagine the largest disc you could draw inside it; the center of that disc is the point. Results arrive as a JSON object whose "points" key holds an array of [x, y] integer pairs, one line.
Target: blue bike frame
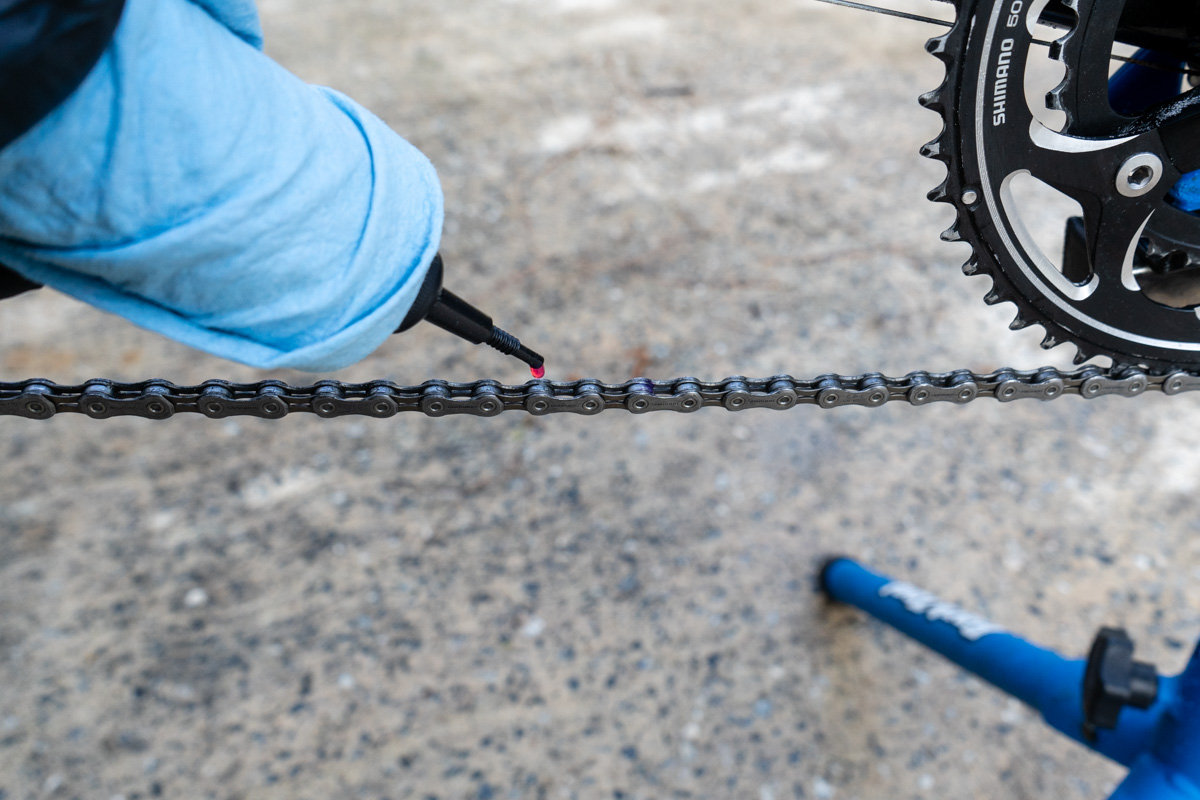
{"points": [[1160, 745]]}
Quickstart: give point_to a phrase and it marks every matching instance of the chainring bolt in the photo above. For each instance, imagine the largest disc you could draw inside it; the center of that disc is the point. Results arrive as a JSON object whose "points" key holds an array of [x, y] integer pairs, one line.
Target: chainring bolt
{"points": [[1139, 174], [970, 197]]}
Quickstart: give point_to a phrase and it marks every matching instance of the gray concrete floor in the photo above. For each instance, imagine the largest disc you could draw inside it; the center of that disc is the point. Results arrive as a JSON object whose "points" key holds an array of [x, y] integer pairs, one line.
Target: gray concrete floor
{"points": [[617, 607]]}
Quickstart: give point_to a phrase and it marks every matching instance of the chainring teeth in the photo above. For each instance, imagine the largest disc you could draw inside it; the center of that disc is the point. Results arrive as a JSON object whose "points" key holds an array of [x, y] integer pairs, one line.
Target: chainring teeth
{"points": [[949, 190], [1060, 50], [952, 234], [933, 149], [939, 148], [932, 100]]}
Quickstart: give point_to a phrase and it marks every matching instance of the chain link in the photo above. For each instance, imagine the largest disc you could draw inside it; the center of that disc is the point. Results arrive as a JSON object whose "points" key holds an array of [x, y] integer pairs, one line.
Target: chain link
{"points": [[156, 399]]}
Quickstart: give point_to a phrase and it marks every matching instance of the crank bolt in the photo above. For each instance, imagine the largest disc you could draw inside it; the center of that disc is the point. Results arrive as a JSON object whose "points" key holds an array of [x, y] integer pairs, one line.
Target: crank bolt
{"points": [[1139, 174]]}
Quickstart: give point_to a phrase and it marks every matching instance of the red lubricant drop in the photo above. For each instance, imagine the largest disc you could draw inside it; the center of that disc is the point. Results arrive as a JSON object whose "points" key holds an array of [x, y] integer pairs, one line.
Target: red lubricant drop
{"points": [[538, 372]]}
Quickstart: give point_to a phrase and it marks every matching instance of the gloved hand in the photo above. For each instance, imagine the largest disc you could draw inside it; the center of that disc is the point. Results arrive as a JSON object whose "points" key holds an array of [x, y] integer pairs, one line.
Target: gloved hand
{"points": [[197, 188]]}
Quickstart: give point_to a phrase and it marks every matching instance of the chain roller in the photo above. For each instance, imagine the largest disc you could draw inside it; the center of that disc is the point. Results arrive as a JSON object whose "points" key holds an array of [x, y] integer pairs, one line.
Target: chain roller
{"points": [[157, 399]]}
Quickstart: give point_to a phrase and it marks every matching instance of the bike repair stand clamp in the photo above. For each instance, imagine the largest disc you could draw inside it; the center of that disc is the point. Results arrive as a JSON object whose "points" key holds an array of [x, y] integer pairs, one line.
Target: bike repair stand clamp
{"points": [[1108, 702]]}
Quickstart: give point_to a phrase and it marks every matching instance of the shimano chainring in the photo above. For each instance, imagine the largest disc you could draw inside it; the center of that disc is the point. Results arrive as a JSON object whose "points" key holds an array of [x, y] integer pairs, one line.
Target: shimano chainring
{"points": [[1104, 295]]}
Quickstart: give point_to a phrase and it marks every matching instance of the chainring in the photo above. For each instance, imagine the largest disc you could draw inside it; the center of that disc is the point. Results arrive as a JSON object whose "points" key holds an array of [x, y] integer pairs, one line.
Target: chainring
{"points": [[1118, 169]]}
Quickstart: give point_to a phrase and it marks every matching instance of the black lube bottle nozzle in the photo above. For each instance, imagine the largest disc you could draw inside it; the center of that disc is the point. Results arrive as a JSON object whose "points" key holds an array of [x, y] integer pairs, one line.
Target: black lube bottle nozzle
{"points": [[450, 312]]}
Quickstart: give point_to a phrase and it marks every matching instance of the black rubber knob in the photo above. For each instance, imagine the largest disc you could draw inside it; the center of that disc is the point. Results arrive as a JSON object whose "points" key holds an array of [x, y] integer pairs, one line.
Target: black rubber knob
{"points": [[1114, 680]]}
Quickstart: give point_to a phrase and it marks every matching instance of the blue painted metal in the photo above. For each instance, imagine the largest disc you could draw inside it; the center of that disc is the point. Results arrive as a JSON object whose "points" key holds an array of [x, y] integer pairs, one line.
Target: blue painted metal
{"points": [[1135, 87], [1160, 745]]}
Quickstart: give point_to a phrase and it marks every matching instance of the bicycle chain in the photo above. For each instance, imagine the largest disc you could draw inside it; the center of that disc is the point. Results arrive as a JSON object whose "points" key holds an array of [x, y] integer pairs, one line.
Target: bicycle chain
{"points": [[156, 399]]}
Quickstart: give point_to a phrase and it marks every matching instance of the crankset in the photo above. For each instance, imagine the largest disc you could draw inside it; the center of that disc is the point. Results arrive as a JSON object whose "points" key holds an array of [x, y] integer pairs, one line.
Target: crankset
{"points": [[1124, 148]]}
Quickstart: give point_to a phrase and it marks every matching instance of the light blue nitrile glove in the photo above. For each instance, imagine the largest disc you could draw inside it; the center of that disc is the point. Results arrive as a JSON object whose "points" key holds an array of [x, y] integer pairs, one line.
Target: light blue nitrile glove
{"points": [[197, 188]]}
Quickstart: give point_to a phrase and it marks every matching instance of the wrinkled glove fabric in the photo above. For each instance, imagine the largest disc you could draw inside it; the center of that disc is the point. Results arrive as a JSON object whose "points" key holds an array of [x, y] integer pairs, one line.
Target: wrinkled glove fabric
{"points": [[195, 187]]}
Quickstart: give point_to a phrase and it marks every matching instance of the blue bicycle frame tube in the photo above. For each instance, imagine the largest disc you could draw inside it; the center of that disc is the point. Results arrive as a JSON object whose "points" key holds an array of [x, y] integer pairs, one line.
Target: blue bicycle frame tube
{"points": [[1160, 745]]}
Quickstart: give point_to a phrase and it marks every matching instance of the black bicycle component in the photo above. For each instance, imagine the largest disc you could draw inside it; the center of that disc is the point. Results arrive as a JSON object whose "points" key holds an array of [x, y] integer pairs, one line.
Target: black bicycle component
{"points": [[1113, 680], [1166, 264], [1167, 27], [1105, 298], [451, 313]]}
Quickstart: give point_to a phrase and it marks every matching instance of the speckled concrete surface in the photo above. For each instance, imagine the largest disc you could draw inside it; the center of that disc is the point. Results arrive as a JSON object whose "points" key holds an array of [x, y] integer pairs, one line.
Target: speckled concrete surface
{"points": [[617, 607]]}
